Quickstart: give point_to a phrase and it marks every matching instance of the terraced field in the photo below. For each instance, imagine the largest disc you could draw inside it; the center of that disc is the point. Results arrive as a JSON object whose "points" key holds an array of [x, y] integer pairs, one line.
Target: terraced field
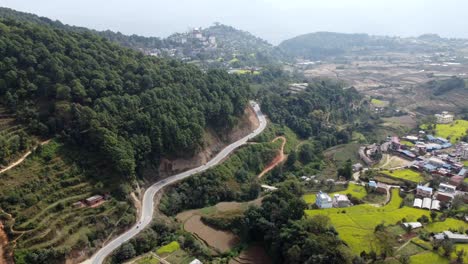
{"points": [[14, 140], [405, 174], [39, 195]]}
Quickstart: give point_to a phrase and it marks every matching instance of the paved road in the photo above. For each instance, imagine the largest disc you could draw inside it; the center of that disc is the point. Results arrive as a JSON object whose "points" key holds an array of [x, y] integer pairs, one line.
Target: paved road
{"points": [[148, 197]]}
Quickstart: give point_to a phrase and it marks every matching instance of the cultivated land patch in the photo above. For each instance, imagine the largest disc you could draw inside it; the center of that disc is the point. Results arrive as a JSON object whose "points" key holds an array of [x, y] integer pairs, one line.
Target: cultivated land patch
{"points": [[355, 190], [221, 241], [39, 194], [356, 225], [454, 131], [405, 174]]}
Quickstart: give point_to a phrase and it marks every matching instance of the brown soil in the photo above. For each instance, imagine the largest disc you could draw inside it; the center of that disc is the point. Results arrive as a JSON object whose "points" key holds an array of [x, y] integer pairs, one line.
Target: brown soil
{"points": [[254, 254], [277, 160], [3, 244], [229, 206], [221, 241]]}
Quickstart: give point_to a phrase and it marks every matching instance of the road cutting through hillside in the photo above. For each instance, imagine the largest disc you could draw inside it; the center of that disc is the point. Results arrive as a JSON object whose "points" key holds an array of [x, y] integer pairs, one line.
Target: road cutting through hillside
{"points": [[148, 197]]}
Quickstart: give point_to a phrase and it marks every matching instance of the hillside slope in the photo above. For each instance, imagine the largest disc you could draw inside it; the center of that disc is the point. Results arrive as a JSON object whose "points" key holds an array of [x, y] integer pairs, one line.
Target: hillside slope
{"points": [[229, 44]]}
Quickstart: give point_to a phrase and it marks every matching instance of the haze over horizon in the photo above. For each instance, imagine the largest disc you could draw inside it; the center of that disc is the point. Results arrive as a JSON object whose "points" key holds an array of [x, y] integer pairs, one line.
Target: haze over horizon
{"points": [[272, 20]]}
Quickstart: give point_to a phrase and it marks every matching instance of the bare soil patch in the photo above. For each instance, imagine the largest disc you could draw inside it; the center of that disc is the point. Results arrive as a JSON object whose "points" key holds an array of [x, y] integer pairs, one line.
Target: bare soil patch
{"points": [[3, 244], [229, 206], [254, 254], [221, 241]]}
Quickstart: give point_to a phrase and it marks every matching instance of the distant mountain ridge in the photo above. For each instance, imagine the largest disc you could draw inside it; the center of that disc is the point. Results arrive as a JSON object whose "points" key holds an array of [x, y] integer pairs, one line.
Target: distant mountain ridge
{"points": [[321, 45]]}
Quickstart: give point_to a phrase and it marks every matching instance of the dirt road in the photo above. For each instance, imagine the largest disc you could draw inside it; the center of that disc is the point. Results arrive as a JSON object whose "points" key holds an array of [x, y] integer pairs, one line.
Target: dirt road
{"points": [[16, 163], [277, 160]]}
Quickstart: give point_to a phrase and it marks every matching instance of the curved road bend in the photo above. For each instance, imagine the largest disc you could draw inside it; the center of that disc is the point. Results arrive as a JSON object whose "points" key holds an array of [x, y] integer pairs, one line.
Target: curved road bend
{"points": [[148, 197]]}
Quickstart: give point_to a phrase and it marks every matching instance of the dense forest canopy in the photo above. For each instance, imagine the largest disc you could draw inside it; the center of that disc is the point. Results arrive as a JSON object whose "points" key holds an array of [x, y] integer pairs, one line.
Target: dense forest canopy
{"points": [[324, 110], [128, 107], [234, 47]]}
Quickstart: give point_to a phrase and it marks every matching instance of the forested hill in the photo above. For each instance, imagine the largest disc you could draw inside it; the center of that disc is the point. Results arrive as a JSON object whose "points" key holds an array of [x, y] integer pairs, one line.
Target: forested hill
{"points": [[128, 108], [231, 47]]}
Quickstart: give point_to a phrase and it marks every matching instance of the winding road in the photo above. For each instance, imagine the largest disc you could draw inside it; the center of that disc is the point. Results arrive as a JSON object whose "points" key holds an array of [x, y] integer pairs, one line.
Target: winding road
{"points": [[148, 198]]}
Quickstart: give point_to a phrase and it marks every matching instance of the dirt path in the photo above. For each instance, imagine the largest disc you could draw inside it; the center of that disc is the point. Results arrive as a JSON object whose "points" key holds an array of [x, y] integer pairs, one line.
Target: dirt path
{"points": [[16, 163], [277, 160]]}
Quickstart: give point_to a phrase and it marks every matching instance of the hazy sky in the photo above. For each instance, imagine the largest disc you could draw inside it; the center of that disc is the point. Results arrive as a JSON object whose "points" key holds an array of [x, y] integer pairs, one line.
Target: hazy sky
{"points": [[273, 20]]}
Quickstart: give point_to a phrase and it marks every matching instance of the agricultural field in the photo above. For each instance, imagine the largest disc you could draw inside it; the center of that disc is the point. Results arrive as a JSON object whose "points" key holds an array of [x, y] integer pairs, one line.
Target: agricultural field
{"points": [[356, 224], [379, 103], [405, 174], [168, 249], [342, 153], [39, 195], [454, 131], [355, 190]]}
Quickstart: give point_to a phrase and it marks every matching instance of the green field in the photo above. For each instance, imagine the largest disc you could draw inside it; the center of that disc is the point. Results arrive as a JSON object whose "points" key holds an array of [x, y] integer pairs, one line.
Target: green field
{"points": [[169, 248], [428, 257], [378, 103], [355, 190], [453, 131], [465, 163], [407, 143], [147, 260], [405, 174], [356, 225]]}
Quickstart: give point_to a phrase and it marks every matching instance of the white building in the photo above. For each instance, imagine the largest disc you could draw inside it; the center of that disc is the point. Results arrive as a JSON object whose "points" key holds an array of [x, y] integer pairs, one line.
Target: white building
{"points": [[341, 200], [444, 118], [323, 200], [435, 205], [413, 225], [426, 203], [447, 188], [417, 203]]}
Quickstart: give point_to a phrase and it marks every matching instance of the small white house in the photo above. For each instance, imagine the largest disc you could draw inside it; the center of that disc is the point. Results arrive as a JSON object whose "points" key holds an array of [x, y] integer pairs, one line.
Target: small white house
{"points": [[323, 200], [341, 200], [447, 188], [417, 203], [444, 118]]}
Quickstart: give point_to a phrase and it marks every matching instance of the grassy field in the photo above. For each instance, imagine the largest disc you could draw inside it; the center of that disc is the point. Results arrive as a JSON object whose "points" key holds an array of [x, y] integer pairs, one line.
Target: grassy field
{"points": [[169, 248], [407, 143], [150, 259], [379, 103], [39, 194], [356, 225], [455, 131], [355, 190], [428, 257], [341, 153], [405, 174], [465, 163]]}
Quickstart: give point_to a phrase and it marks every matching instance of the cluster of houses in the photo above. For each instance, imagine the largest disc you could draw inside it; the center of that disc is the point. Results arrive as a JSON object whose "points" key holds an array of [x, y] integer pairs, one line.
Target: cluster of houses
{"points": [[323, 200], [177, 44], [427, 198], [427, 157]]}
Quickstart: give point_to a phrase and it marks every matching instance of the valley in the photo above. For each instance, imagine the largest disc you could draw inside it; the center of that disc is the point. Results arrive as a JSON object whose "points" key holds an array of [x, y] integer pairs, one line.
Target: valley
{"points": [[213, 145]]}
